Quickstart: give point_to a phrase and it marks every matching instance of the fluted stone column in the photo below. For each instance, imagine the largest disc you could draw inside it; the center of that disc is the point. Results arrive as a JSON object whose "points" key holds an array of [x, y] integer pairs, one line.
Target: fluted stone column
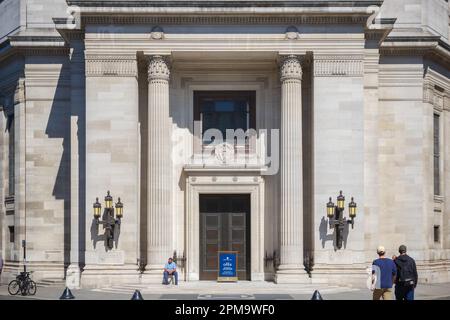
{"points": [[159, 166], [291, 269]]}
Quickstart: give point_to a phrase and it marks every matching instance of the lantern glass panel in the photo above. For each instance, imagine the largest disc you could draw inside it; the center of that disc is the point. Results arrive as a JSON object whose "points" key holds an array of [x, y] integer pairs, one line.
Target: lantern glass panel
{"points": [[352, 212], [340, 201], [119, 209], [330, 212], [330, 209], [97, 209], [108, 201]]}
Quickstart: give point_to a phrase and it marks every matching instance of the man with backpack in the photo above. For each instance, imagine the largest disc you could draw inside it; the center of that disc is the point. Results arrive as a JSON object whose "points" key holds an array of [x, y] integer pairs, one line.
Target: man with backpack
{"points": [[406, 280]]}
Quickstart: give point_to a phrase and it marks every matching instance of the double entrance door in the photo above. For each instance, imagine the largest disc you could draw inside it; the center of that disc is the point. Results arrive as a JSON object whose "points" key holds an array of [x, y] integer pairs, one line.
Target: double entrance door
{"points": [[224, 226]]}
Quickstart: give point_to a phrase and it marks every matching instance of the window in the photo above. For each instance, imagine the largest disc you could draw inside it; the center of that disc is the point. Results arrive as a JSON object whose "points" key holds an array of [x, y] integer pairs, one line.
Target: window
{"points": [[224, 110], [437, 156], [11, 157], [11, 233], [436, 234]]}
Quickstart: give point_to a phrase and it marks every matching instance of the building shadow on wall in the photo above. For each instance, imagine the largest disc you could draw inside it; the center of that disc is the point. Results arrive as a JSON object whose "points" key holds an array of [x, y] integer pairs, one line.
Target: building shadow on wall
{"points": [[59, 126], [325, 236]]}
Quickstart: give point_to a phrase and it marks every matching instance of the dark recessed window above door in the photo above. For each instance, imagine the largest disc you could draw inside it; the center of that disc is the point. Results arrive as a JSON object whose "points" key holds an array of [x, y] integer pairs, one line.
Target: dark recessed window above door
{"points": [[224, 110]]}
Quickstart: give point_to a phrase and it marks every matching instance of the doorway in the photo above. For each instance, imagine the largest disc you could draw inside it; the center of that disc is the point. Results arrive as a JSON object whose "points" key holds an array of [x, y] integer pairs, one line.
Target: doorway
{"points": [[224, 226]]}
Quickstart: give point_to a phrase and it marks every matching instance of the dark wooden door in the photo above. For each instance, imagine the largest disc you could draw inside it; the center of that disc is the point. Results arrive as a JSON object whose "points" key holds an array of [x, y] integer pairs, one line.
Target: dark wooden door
{"points": [[224, 226]]}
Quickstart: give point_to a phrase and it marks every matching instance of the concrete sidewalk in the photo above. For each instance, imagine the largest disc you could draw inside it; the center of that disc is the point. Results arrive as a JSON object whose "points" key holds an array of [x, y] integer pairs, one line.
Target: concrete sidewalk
{"points": [[227, 291]]}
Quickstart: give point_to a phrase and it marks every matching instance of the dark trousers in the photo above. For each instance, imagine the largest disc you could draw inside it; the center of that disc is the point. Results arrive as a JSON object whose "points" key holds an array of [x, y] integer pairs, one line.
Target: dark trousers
{"points": [[166, 277], [404, 292]]}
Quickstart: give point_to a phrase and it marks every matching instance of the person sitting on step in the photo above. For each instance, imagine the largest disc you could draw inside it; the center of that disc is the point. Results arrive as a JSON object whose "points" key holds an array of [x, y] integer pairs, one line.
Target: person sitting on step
{"points": [[170, 269]]}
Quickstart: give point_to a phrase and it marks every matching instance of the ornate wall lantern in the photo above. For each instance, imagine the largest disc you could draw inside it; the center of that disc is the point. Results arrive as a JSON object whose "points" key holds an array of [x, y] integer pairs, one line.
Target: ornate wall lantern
{"points": [[335, 214], [108, 221]]}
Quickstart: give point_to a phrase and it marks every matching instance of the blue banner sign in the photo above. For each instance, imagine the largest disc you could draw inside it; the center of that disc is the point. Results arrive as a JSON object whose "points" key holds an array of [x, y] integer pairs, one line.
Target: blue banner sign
{"points": [[227, 266]]}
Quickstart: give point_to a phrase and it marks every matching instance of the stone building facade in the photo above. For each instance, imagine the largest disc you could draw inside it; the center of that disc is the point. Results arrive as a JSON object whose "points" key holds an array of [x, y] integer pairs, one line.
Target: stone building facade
{"points": [[118, 95]]}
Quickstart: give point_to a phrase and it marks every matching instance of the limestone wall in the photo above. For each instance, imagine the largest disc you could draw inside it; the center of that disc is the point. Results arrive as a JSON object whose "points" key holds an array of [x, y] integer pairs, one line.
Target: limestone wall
{"points": [[404, 150], [112, 158], [47, 171], [39, 13], [416, 16]]}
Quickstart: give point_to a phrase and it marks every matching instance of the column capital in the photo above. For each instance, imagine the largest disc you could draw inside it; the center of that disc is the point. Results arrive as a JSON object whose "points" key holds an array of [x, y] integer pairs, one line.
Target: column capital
{"points": [[291, 68], [158, 68]]}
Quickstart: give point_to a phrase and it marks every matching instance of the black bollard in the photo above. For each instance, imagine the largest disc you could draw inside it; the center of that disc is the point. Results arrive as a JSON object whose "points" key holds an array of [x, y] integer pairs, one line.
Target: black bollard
{"points": [[67, 295], [137, 295], [316, 296]]}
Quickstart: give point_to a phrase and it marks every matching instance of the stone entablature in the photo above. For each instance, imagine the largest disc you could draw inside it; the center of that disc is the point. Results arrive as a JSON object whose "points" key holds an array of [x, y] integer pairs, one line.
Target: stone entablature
{"points": [[111, 66], [338, 66]]}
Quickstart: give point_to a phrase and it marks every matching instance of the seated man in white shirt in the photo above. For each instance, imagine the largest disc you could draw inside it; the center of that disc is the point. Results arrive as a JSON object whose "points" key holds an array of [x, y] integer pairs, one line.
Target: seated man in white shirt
{"points": [[170, 269]]}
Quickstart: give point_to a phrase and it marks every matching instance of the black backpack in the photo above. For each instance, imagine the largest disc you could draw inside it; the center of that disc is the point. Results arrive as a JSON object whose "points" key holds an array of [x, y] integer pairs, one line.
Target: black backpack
{"points": [[405, 271]]}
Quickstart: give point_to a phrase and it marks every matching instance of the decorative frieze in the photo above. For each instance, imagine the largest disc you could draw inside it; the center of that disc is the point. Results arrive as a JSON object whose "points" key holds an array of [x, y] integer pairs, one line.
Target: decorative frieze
{"points": [[435, 90], [233, 20], [338, 66], [428, 92], [447, 103], [111, 66]]}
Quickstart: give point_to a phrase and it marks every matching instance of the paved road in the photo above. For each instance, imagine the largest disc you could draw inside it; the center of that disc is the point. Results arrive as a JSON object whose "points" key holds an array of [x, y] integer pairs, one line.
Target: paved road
{"points": [[249, 291]]}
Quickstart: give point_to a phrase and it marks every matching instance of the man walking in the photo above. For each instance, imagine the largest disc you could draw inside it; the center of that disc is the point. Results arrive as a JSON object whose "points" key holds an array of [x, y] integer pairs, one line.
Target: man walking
{"points": [[406, 275], [384, 270]]}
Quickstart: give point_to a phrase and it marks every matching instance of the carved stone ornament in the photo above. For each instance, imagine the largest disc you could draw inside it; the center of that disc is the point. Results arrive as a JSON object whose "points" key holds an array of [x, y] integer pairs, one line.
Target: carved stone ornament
{"points": [[291, 68], [292, 33], [339, 66], [157, 33], [158, 68], [224, 152], [111, 66]]}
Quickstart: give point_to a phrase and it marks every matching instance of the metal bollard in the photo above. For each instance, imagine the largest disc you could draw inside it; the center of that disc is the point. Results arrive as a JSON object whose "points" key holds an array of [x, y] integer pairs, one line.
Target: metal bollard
{"points": [[137, 295], [67, 295], [316, 296]]}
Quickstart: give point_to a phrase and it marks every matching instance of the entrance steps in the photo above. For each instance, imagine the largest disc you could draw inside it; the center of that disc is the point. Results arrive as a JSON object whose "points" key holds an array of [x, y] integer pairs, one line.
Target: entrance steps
{"points": [[51, 282], [211, 288]]}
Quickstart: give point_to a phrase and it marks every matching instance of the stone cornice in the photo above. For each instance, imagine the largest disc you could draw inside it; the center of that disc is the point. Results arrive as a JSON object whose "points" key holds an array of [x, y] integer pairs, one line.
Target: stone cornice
{"points": [[111, 66], [33, 45], [224, 4], [338, 66], [430, 47], [223, 12], [223, 20]]}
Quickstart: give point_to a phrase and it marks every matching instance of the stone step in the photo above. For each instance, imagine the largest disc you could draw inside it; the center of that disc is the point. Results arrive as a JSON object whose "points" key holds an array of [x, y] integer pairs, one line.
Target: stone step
{"points": [[50, 282]]}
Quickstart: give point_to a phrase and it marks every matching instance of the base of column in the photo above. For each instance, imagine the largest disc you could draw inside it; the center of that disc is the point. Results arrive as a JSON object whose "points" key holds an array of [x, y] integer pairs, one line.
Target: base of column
{"points": [[286, 275], [73, 276]]}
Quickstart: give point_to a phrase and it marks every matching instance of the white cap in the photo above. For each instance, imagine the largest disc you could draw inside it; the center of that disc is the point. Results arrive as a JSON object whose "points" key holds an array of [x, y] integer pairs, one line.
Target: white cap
{"points": [[381, 249]]}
